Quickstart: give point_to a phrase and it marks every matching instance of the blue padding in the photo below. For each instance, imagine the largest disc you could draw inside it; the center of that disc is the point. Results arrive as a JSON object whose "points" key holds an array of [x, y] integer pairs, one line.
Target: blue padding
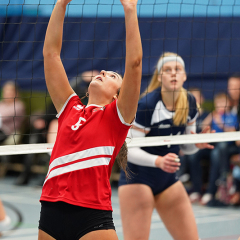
{"points": [[209, 46]]}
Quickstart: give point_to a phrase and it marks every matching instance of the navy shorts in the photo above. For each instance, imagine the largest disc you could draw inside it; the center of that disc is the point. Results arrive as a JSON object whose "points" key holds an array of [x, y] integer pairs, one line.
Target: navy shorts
{"points": [[64, 221], [155, 178]]}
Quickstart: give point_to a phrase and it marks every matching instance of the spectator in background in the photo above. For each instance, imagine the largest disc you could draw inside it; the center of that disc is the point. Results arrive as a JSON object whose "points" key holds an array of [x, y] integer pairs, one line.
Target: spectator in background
{"points": [[220, 120], [230, 149], [184, 159], [12, 114], [234, 91], [44, 126], [197, 93], [235, 198]]}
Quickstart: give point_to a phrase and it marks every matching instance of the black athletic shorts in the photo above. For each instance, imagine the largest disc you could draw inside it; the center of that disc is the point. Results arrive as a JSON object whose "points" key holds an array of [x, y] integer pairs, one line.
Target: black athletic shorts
{"points": [[64, 221], [157, 179]]}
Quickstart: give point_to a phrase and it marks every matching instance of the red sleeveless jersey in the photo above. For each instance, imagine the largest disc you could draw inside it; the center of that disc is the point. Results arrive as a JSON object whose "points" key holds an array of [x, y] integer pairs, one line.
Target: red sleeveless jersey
{"points": [[88, 140]]}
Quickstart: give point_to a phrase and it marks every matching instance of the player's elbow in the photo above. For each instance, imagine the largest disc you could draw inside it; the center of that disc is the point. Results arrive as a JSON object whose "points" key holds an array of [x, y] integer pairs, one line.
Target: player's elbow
{"points": [[50, 54], [137, 63]]}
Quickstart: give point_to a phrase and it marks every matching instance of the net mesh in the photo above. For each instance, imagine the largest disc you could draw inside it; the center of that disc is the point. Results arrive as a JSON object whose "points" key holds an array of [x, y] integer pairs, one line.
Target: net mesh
{"points": [[205, 33]]}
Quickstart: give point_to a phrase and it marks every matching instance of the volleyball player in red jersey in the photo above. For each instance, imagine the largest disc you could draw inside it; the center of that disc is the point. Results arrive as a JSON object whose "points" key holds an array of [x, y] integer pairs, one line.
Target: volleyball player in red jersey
{"points": [[76, 195]]}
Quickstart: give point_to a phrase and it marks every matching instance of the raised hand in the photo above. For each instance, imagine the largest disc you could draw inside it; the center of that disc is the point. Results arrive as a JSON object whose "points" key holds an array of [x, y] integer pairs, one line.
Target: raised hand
{"points": [[129, 3], [169, 163], [66, 2]]}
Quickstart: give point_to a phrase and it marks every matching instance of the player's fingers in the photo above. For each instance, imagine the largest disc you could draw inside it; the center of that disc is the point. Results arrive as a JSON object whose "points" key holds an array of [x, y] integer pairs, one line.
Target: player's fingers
{"points": [[170, 169], [173, 157], [205, 145], [206, 129], [173, 164], [209, 146]]}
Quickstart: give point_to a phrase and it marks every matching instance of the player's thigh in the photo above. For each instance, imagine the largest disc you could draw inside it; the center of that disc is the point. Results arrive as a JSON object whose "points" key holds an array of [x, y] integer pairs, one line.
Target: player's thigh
{"points": [[44, 236], [136, 205], [175, 210], [101, 235]]}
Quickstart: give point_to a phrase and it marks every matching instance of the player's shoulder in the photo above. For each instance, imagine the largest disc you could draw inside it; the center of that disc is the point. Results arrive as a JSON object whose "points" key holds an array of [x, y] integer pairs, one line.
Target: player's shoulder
{"points": [[150, 99], [73, 102]]}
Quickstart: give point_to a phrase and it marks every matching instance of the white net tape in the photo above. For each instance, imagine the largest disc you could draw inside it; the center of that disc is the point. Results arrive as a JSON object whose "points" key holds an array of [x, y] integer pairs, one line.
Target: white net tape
{"points": [[134, 142]]}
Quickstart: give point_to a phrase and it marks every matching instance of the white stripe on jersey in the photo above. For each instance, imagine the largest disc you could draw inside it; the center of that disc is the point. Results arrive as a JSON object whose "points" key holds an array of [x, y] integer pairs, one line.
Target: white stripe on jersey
{"points": [[65, 104], [161, 113], [89, 153], [78, 166]]}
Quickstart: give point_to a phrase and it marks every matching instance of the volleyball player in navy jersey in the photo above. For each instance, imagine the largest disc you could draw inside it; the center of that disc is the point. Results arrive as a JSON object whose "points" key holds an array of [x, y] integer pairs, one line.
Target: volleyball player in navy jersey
{"points": [[76, 195], [165, 109]]}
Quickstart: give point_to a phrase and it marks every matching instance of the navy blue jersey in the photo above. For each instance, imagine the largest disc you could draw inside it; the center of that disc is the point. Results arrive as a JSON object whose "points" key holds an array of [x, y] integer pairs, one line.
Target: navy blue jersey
{"points": [[155, 118]]}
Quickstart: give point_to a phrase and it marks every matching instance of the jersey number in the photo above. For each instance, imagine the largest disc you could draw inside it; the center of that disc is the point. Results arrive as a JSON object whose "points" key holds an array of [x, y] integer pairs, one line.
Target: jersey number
{"points": [[78, 124]]}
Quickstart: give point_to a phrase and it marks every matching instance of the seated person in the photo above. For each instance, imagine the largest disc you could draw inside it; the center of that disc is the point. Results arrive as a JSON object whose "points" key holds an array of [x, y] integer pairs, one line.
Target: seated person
{"points": [[12, 114], [233, 86], [220, 120], [197, 93], [235, 198]]}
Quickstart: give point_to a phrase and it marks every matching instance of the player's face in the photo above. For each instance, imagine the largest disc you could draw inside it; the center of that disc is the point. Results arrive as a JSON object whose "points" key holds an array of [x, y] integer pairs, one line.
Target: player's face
{"points": [[109, 82], [172, 76]]}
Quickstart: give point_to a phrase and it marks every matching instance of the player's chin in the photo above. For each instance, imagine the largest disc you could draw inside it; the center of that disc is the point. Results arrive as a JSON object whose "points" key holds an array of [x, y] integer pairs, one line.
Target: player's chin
{"points": [[175, 88]]}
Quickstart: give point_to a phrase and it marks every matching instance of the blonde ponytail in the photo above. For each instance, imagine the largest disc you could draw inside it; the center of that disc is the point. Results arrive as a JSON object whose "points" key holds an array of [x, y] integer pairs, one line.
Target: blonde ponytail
{"points": [[181, 108]]}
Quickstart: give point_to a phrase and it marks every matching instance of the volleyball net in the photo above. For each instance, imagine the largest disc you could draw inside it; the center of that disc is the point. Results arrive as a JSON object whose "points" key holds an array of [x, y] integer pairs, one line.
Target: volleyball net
{"points": [[134, 142], [204, 33]]}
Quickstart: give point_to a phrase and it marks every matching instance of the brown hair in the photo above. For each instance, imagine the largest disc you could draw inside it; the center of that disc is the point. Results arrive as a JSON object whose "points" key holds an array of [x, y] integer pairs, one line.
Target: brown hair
{"points": [[181, 105], [121, 159]]}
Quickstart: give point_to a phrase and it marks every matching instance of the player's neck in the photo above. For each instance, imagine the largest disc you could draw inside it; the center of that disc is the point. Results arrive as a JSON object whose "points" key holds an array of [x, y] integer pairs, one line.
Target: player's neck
{"points": [[97, 101], [169, 99]]}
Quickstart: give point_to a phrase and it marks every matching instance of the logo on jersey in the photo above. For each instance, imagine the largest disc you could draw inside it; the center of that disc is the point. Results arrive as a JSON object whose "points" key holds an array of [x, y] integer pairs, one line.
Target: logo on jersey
{"points": [[164, 126], [97, 109], [78, 124], [78, 107]]}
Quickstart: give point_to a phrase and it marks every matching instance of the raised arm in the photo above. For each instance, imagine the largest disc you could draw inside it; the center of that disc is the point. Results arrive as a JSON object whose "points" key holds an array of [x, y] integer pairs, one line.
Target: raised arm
{"points": [[130, 90], [55, 75]]}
